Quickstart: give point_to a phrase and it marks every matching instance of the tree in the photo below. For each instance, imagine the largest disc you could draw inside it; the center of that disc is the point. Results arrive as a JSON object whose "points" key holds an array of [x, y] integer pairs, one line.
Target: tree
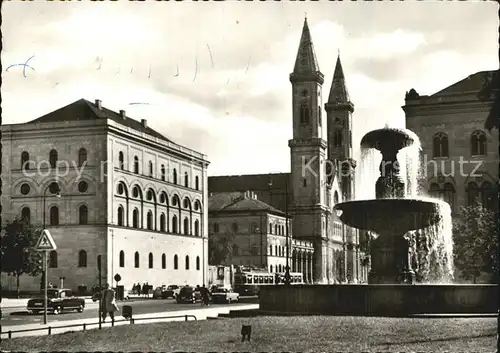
{"points": [[18, 254], [476, 242]]}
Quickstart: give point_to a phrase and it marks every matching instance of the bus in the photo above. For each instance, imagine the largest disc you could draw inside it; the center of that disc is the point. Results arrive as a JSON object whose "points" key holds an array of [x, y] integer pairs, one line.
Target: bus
{"points": [[249, 281]]}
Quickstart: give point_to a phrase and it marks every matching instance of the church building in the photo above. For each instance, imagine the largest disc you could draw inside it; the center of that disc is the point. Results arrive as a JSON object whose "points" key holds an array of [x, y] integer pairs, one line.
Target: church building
{"points": [[322, 171]]}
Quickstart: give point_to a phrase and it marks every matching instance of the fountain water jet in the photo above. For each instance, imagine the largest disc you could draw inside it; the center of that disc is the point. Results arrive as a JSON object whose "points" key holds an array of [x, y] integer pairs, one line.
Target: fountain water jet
{"points": [[393, 216]]}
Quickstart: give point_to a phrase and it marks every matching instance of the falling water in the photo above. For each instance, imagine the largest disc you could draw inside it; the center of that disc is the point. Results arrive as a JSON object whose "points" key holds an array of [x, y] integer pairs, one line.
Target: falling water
{"points": [[366, 174]]}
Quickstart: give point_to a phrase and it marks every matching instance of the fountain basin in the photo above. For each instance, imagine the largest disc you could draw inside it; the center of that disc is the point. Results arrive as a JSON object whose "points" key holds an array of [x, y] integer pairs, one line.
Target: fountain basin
{"points": [[389, 138], [396, 216]]}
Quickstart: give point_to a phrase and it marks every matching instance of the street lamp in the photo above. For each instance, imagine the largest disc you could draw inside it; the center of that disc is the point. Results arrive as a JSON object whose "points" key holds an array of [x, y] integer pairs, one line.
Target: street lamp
{"points": [[55, 190], [287, 266]]}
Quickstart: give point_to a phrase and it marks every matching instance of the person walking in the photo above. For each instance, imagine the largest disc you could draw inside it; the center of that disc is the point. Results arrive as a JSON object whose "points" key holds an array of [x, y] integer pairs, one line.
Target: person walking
{"points": [[205, 295], [108, 303]]}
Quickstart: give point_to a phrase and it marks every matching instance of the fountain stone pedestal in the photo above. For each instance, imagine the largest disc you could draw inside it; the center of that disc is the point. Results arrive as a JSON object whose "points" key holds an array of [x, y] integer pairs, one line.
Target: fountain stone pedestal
{"points": [[390, 260]]}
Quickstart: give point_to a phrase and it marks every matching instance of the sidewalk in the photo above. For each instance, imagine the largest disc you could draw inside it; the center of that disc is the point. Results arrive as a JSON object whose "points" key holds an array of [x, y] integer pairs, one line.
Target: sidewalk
{"points": [[23, 302], [57, 327]]}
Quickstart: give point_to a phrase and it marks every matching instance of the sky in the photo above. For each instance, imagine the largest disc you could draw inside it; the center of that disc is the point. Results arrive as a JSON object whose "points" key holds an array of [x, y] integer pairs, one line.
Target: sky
{"points": [[215, 75]]}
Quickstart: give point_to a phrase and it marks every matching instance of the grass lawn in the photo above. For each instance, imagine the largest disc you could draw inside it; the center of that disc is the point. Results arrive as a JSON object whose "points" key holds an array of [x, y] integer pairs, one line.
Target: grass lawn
{"points": [[306, 334]]}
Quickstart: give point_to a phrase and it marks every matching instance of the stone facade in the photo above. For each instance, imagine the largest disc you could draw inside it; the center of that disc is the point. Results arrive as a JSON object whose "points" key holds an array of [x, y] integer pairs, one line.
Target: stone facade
{"points": [[122, 186], [460, 156], [257, 233]]}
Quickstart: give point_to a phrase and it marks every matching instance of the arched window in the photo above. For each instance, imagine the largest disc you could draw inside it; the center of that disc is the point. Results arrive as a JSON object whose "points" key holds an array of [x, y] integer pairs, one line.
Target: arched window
{"points": [[83, 214], [120, 216], [149, 220], [26, 214], [187, 262], [337, 138], [122, 258], [82, 156], [197, 183], [150, 260], [197, 263], [446, 193], [163, 172], [162, 222], [54, 216], [276, 252], [53, 259], [196, 228], [25, 157], [175, 176], [135, 218], [53, 158], [121, 160], [270, 250], [304, 113], [279, 268], [186, 226], [186, 179], [276, 229], [488, 195], [440, 145], [82, 258], [136, 260], [271, 268], [176, 262], [270, 228], [478, 143], [319, 115], [150, 169], [174, 224], [136, 165], [163, 261], [336, 197]]}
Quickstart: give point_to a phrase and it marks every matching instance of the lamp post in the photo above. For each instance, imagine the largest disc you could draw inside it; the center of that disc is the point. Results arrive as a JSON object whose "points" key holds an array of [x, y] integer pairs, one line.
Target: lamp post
{"points": [[54, 189], [287, 233]]}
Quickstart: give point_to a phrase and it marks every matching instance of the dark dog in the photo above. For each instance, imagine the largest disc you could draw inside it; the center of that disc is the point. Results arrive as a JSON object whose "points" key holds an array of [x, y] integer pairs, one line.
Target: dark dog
{"points": [[246, 330]]}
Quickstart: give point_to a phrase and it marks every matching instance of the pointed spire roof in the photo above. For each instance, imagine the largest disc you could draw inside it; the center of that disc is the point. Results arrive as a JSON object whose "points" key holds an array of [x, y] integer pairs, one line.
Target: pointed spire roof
{"points": [[338, 92], [306, 61]]}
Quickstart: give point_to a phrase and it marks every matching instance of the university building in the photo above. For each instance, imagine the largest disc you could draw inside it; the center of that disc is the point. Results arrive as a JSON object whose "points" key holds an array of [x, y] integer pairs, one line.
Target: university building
{"points": [[108, 186], [257, 235], [451, 127], [320, 142]]}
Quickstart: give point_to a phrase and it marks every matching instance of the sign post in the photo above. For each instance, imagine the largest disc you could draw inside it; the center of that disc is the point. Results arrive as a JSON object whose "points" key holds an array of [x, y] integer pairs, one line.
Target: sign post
{"points": [[45, 243]]}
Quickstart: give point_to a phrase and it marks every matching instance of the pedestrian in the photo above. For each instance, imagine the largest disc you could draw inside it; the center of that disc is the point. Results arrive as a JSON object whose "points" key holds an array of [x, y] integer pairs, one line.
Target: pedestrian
{"points": [[205, 295], [108, 303]]}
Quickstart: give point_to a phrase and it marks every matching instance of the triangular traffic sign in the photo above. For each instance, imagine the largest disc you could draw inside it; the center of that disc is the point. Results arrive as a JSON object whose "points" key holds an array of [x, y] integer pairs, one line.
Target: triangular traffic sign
{"points": [[45, 242]]}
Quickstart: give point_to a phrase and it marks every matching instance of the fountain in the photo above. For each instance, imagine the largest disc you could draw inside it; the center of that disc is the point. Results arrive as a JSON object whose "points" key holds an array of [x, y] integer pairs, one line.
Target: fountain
{"points": [[391, 216], [413, 244]]}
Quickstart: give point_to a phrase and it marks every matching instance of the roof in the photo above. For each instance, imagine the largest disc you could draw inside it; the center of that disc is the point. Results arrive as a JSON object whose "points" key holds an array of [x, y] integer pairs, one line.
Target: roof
{"points": [[82, 110], [472, 83], [306, 61], [255, 182], [338, 91], [222, 203]]}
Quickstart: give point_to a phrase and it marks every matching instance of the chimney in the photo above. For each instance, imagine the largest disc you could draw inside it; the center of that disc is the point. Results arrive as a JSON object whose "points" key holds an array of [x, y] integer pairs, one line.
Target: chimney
{"points": [[144, 122], [122, 113], [98, 104]]}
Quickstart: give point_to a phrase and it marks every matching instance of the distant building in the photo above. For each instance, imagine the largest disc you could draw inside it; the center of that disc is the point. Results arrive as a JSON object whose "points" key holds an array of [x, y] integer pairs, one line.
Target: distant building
{"points": [[451, 127], [128, 195], [322, 171], [256, 233]]}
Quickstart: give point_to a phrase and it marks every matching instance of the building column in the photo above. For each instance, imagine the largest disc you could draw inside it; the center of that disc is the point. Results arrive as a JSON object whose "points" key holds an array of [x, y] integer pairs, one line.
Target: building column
{"points": [[310, 267], [306, 268]]}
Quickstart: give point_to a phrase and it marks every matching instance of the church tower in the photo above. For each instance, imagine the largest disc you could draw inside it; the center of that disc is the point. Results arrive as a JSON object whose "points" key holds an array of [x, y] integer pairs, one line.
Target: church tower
{"points": [[308, 150], [339, 109]]}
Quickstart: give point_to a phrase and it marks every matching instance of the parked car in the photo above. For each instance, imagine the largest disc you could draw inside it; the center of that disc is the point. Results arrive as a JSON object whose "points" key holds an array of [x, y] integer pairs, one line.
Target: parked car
{"points": [[188, 295], [171, 292], [224, 295], [58, 300], [158, 292]]}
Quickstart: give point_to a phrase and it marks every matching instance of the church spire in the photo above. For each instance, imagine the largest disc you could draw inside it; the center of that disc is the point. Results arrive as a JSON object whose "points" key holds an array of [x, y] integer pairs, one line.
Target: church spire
{"points": [[338, 92], [306, 61]]}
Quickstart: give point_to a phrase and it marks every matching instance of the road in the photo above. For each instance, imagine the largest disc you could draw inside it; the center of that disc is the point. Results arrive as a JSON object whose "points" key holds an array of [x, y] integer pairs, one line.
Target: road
{"points": [[19, 316]]}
